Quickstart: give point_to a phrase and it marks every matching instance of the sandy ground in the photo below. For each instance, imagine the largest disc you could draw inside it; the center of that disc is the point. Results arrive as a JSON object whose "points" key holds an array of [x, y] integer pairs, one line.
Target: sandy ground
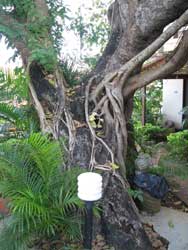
{"points": [[171, 224]]}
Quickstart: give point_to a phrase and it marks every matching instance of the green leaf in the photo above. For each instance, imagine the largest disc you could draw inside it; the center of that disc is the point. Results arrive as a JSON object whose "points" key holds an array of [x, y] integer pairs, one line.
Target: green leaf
{"points": [[42, 199], [114, 166]]}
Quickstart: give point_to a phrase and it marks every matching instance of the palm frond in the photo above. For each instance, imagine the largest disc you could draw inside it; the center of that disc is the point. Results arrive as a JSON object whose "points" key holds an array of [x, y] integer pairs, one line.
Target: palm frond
{"points": [[13, 84], [14, 235], [42, 200], [9, 113]]}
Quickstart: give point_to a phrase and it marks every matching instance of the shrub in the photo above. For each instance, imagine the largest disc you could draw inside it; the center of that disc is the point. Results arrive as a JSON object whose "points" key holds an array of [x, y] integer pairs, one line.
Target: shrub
{"points": [[150, 132], [178, 143], [158, 170], [136, 194], [42, 200], [71, 74], [153, 103]]}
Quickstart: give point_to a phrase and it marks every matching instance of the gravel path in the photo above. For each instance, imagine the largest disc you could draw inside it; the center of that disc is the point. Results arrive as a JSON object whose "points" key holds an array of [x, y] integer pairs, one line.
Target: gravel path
{"points": [[172, 225]]}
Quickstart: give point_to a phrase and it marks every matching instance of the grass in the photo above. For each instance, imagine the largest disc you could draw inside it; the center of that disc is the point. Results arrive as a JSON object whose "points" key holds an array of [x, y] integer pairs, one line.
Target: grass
{"points": [[171, 166]]}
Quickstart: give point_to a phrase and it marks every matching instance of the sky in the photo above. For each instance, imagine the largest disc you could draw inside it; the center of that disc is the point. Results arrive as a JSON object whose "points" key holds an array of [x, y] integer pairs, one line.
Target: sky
{"points": [[71, 44], [5, 55]]}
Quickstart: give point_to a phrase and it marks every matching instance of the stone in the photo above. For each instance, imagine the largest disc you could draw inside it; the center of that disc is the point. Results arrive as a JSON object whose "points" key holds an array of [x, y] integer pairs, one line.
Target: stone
{"points": [[153, 235], [157, 244], [163, 248], [143, 161], [177, 203], [169, 124], [158, 152]]}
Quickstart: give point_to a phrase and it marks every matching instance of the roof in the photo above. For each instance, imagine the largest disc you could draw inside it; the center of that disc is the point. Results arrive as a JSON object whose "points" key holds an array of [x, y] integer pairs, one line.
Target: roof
{"points": [[158, 58]]}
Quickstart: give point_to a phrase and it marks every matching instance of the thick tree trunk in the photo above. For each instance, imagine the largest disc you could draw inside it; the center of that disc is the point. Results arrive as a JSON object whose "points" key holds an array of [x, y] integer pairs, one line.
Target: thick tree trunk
{"points": [[104, 149], [120, 222]]}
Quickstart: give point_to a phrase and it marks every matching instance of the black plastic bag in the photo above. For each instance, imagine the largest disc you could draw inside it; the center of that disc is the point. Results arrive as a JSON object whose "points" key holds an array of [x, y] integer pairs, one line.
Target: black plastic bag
{"points": [[155, 185]]}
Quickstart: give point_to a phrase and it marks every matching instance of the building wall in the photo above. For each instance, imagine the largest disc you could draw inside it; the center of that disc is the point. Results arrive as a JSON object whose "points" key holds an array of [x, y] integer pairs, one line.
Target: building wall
{"points": [[185, 101], [173, 101], [173, 96]]}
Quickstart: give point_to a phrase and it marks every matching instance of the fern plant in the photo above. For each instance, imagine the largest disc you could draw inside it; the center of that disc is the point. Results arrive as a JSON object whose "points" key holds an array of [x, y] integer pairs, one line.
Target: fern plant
{"points": [[14, 87], [18, 122], [42, 199]]}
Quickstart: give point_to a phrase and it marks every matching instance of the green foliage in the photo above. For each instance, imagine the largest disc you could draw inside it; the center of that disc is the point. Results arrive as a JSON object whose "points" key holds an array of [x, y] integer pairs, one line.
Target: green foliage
{"points": [[39, 29], [173, 166], [153, 103], [21, 121], [170, 167], [45, 57], [21, 7], [59, 13], [99, 28], [150, 132], [9, 113], [42, 199], [184, 112], [19, 10], [91, 26], [12, 34], [130, 161], [14, 85], [159, 170], [95, 30], [14, 109], [178, 143], [40, 41], [91, 61], [136, 194], [170, 164], [42, 30], [70, 73]]}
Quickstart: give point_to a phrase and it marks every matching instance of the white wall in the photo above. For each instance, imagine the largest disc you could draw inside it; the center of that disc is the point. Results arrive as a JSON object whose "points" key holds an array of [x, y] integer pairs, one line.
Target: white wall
{"points": [[173, 100]]}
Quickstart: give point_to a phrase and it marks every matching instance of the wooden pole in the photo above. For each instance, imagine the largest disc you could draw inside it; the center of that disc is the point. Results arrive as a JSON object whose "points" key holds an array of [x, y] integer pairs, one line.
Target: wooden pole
{"points": [[144, 106]]}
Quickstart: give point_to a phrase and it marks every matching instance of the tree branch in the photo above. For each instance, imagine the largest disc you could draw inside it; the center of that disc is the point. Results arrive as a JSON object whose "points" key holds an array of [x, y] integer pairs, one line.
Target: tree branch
{"points": [[16, 34], [120, 78], [139, 59], [135, 25], [179, 58], [45, 128]]}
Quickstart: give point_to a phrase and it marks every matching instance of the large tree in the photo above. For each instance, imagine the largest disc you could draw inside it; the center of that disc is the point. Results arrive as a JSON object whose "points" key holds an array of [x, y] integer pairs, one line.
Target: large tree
{"points": [[137, 32]]}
